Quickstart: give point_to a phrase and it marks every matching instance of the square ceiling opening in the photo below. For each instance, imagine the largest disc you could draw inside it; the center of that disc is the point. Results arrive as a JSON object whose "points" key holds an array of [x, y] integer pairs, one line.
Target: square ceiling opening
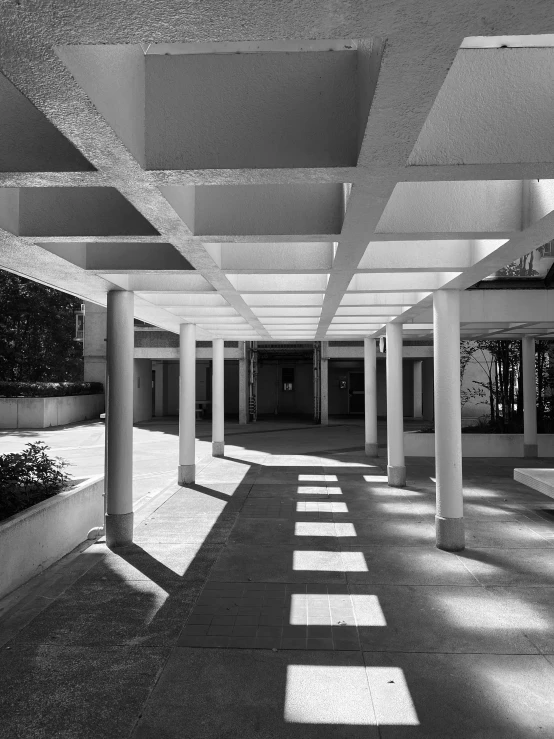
{"points": [[245, 105], [260, 210], [70, 211], [119, 256]]}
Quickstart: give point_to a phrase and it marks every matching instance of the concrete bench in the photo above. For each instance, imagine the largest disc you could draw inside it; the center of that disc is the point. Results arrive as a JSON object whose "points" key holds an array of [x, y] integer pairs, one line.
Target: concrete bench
{"points": [[541, 480]]}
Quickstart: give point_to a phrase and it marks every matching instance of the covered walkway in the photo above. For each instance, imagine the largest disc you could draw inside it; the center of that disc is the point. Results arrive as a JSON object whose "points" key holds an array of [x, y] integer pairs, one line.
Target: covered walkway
{"points": [[290, 592]]}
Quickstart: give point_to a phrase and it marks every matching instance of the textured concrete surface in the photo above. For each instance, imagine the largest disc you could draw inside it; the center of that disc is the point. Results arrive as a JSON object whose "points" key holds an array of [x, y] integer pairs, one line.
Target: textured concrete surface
{"points": [[293, 593]]}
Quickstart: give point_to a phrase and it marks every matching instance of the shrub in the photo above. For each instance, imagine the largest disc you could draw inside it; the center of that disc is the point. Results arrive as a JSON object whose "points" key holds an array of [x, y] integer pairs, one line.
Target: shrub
{"points": [[48, 389], [29, 477]]}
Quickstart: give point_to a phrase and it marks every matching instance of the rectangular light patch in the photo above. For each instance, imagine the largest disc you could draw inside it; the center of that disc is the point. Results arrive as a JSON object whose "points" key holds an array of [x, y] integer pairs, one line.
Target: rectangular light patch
{"points": [[324, 694], [391, 696]]}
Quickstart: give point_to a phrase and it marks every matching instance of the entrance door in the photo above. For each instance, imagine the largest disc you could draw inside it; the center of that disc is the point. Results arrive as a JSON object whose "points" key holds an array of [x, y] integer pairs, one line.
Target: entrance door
{"points": [[356, 392]]}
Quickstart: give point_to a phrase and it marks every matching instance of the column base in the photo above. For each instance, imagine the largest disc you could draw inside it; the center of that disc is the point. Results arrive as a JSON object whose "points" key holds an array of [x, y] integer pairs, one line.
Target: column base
{"points": [[530, 450], [119, 529], [186, 474], [450, 534], [396, 476], [371, 450], [218, 448]]}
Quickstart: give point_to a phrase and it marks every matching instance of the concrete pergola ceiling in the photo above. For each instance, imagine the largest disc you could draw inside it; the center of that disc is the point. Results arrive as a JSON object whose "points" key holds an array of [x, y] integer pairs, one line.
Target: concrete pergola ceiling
{"points": [[294, 176]]}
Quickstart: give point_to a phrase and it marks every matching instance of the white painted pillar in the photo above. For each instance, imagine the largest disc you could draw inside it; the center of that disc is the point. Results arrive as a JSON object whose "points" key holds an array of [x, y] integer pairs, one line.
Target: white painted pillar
{"points": [[396, 468], [418, 388], [530, 439], [187, 403], [243, 386], [448, 421], [218, 398], [324, 376], [370, 397], [119, 419]]}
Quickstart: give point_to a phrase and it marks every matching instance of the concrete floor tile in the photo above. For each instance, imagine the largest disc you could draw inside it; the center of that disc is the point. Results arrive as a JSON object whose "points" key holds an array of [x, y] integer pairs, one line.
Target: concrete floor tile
{"points": [[125, 613], [495, 566], [504, 534], [260, 693], [278, 564], [486, 696], [69, 691], [437, 619], [410, 566], [531, 610], [164, 563], [281, 532]]}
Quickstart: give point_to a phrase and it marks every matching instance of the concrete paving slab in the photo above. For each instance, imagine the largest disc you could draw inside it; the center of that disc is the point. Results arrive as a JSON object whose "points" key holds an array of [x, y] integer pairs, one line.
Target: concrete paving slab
{"points": [[240, 693], [278, 564], [496, 566], [88, 692], [137, 612], [433, 696], [440, 618], [410, 566], [504, 535]]}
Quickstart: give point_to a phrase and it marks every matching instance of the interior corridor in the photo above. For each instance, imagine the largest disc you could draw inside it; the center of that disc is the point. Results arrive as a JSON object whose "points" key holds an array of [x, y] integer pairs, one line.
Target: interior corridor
{"points": [[291, 592]]}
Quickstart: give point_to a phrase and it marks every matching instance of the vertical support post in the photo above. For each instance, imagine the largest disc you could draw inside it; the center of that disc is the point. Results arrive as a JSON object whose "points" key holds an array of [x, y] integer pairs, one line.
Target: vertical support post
{"points": [[218, 399], [119, 419], [243, 385], [324, 380], [396, 467], [418, 388], [530, 439], [187, 404], [448, 421], [370, 397]]}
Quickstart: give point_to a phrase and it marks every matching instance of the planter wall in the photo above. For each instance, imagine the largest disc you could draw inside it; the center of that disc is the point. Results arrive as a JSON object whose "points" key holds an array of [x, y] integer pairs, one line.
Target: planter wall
{"points": [[478, 445], [41, 413], [34, 539]]}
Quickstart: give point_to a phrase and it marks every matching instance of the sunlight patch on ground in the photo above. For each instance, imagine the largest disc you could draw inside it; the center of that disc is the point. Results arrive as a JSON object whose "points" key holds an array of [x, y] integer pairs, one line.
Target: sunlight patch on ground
{"points": [[474, 612], [334, 490], [316, 478], [307, 506], [323, 528], [322, 609], [318, 561], [391, 696], [324, 694], [311, 490], [375, 478]]}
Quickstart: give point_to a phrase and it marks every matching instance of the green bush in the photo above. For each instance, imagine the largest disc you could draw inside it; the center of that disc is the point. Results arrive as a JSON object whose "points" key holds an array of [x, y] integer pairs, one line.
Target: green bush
{"points": [[48, 389], [29, 477]]}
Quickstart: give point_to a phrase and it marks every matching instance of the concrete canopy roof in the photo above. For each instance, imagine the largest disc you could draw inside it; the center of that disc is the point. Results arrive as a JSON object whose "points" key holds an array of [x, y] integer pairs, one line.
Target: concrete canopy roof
{"points": [[312, 173]]}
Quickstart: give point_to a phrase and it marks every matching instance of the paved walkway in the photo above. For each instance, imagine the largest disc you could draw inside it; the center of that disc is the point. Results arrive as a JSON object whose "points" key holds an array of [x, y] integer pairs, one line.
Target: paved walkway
{"points": [[156, 444], [291, 593]]}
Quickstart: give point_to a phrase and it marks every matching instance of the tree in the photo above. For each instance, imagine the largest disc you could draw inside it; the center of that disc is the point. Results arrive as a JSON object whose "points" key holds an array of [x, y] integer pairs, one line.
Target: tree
{"points": [[37, 325], [501, 364]]}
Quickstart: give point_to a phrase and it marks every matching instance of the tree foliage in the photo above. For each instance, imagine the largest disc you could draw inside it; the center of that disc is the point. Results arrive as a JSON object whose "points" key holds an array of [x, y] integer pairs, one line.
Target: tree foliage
{"points": [[36, 332], [502, 389]]}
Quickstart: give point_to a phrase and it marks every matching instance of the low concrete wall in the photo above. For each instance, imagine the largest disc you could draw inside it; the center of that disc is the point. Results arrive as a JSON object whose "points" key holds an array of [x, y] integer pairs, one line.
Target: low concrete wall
{"points": [[40, 413], [34, 539], [478, 445]]}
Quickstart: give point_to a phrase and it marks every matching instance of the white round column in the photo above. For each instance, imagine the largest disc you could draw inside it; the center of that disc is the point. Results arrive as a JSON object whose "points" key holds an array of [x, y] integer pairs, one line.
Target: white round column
{"points": [[448, 421], [530, 439], [187, 403], [396, 467], [218, 398], [119, 419], [370, 397]]}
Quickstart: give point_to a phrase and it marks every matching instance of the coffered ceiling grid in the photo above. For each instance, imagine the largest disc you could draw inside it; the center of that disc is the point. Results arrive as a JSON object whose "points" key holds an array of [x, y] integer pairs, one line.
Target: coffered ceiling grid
{"points": [[401, 232]]}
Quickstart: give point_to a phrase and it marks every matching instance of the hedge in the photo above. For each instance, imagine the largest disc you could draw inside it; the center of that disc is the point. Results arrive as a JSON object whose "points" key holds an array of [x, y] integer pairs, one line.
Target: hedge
{"points": [[48, 389]]}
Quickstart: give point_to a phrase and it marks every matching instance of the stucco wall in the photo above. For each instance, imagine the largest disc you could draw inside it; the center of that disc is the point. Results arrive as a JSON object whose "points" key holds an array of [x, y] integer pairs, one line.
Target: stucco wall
{"points": [[34, 539], [40, 413]]}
